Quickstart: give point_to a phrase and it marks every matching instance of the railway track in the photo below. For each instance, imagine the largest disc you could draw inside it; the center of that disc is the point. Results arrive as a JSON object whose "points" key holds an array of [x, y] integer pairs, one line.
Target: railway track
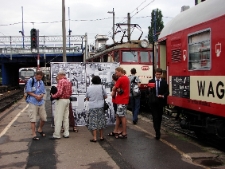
{"points": [[9, 97], [173, 124]]}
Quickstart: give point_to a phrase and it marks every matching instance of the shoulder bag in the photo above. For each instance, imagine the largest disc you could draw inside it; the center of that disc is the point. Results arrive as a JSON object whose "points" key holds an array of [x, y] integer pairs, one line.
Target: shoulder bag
{"points": [[106, 106]]}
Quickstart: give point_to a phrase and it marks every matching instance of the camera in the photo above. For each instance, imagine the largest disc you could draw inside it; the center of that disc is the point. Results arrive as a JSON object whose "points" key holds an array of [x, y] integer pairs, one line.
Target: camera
{"points": [[120, 91]]}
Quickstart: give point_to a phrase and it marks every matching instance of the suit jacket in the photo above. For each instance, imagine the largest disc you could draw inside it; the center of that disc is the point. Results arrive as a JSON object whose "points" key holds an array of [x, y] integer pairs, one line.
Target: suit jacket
{"points": [[163, 90]]}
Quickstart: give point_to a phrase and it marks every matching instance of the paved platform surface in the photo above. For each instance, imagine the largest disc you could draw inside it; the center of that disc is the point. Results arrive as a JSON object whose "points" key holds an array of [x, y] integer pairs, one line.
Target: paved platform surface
{"points": [[139, 151]]}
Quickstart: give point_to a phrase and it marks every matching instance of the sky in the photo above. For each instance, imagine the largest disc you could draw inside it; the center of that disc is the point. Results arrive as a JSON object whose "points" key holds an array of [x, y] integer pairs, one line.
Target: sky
{"points": [[83, 16]]}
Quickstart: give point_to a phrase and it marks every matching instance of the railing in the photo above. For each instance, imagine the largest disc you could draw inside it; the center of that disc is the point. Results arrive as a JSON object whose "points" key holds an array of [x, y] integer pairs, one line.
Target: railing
{"points": [[59, 38], [47, 50], [47, 44]]}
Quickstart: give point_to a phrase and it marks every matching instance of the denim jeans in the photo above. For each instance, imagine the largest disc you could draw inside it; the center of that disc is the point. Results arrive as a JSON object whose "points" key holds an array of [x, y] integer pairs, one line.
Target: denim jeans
{"points": [[135, 103]]}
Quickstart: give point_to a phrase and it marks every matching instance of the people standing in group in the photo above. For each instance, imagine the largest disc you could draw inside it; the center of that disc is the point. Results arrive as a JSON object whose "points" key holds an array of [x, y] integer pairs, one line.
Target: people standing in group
{"points": [[64, 91], [96, 95], [161, 92], [122, 99], [135, 99], [35, 89]]}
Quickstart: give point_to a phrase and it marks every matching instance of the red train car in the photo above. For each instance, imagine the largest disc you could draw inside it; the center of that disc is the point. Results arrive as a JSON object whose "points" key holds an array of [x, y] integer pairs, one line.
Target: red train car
{"points": [[192, 49]]}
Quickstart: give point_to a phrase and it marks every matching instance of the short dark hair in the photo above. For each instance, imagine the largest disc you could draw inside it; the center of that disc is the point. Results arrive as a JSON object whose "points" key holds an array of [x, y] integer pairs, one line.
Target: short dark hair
{"points": [[133, 71], [158, 70], [39, 73], [96, 80], [114, 77]]}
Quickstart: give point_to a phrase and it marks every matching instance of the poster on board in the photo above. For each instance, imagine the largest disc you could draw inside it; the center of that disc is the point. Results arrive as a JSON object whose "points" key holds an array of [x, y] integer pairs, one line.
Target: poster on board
{"points": [[80, 75]]}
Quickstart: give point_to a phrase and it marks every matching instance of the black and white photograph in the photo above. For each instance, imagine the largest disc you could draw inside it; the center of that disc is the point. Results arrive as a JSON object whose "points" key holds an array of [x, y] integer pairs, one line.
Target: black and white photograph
{"points": [[78, 101], [80, 116], [103, 70], [110, 114], [75, 72], [80, 75]]}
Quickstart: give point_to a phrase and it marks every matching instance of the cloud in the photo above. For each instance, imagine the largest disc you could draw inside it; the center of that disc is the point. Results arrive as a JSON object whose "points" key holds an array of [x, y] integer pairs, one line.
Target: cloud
{"points": [[36, 12]]}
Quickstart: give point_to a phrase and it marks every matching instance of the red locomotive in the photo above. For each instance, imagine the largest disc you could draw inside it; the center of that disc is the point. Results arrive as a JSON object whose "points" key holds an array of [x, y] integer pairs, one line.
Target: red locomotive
{"points": [[192, 50]]}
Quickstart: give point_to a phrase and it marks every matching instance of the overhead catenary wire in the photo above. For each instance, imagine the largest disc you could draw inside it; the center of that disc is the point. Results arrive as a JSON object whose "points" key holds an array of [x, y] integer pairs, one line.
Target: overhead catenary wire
{"points": [[125, 18], [143, 8], [82, 20]]}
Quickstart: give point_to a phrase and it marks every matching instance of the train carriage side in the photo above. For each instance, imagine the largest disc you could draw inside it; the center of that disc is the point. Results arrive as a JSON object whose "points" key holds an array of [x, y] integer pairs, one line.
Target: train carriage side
{"points": [[196, 71]]}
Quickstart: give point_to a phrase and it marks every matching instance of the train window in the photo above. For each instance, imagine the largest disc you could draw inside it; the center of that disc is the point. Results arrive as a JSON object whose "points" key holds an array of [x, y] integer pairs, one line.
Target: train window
{"points": [[27, 73], [199, 51], [144, 57], [131, 56]]}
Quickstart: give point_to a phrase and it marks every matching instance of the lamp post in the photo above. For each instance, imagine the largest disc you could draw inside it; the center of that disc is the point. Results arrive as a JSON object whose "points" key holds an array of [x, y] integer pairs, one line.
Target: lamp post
{"points": [[64, 31], [69, 27], [112, 12], [154, 39], [22, 31]]}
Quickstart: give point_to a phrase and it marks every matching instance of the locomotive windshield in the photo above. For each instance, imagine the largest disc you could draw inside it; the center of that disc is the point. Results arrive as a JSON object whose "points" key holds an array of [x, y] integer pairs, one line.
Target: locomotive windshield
{"points": [[133, 56], [130, 56], [144, 57]]}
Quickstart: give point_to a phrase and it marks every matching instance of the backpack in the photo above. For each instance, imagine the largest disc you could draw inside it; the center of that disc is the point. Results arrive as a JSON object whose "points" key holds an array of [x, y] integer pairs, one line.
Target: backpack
{"points": [[134, 89], [32, 85]]}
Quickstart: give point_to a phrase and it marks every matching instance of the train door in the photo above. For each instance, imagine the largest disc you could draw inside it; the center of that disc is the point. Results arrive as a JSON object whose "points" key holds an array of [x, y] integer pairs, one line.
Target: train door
{"points": [[162, 58]]}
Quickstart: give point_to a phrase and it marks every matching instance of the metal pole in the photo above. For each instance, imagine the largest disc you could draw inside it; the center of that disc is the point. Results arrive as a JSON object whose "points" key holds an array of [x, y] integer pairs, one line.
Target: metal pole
{"points": [[22, 28], [154, 25], [64, 31], [86, 48], [113, 26], [10, 48], [69, 25], [38, 62], [128, 27], [154, 39], [44, 53]]}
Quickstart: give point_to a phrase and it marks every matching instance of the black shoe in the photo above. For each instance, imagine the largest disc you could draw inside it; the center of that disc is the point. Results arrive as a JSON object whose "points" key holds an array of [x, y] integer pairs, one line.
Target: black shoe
{"points": [[53, 138], [157, 138], [134, 122], [92, 140], [66, 136]]}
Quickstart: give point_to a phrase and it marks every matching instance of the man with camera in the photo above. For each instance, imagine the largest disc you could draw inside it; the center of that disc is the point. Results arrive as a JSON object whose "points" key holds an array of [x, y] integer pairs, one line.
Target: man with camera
{"points": [[121, 93]]}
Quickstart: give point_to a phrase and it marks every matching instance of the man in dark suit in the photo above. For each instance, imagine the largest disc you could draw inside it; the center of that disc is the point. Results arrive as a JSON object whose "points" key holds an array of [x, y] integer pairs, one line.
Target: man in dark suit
{"points": [[161, 91]]}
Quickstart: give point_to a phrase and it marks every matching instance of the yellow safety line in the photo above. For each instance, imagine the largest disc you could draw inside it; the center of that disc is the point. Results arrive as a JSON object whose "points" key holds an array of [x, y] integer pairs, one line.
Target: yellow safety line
{"points": [[13, 120]]}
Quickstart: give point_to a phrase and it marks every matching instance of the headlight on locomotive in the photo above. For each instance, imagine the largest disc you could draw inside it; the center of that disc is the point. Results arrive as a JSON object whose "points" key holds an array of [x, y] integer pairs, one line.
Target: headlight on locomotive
{"points": [[144, 43]]}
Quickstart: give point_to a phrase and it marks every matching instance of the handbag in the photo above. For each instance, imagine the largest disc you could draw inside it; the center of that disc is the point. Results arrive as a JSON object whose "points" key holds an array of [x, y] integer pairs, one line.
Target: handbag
{"points": [[105, 106]]}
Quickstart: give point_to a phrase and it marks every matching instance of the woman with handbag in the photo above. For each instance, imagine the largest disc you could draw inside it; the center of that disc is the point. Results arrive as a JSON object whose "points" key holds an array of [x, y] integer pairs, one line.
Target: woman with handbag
{"points": [[96, 95]]}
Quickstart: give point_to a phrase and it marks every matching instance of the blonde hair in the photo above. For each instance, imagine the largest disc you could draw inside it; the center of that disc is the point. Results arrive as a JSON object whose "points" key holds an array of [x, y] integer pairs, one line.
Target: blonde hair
{"points": [[119, 69]]}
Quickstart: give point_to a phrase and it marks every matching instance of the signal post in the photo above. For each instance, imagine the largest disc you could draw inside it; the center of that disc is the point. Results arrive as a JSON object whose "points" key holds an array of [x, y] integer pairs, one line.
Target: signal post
{"points": [[34, 35]]}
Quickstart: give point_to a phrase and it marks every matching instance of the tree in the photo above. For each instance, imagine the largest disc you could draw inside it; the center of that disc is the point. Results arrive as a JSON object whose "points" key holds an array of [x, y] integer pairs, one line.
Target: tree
{"points": [[155, 27]]}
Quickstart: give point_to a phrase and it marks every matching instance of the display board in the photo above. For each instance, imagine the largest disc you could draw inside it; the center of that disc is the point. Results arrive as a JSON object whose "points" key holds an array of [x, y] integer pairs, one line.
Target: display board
{"points": [[80, 75]]}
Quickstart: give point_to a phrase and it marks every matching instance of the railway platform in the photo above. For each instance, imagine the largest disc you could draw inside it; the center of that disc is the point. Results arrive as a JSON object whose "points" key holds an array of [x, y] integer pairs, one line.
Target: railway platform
{"points": [[139, 151]]}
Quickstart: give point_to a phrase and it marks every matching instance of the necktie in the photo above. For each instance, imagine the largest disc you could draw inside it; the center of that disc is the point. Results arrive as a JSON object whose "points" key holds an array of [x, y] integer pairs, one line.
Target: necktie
{"points": [[157, 87]]}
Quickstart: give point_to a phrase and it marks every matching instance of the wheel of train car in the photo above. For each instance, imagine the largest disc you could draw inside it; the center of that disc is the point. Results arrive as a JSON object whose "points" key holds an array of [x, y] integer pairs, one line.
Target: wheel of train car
{"points": [[220, 130], [200, 135]]}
